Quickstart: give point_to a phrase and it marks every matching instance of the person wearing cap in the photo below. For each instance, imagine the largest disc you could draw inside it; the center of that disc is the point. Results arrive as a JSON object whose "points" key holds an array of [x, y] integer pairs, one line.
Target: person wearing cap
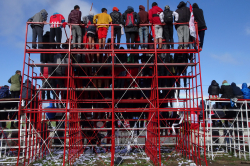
{"points": [[154, 18], [167, 17], [102, 18], [75, 18], [15, 82], [116, 19]]}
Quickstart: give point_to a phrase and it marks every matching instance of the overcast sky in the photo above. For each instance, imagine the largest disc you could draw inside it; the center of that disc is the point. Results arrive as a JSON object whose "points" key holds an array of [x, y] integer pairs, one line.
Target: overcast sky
{"points": [[224, 56]]}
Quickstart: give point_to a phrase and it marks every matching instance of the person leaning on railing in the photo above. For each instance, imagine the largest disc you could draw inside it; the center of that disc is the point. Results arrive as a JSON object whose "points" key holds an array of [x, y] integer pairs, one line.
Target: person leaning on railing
{"points": [[183, 29], [37, 29], [75, 18], [154, 18], [116, 19], [102, 18]]}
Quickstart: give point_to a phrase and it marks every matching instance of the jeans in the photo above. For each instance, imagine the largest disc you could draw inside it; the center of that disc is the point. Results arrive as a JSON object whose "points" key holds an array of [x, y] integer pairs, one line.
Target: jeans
{"points": [[15, 94], [130, 38], [117, 35], [183, 34], [37, 31], [76, 30], [143, 33], [169, 34], [201, 36], [55, 32]]}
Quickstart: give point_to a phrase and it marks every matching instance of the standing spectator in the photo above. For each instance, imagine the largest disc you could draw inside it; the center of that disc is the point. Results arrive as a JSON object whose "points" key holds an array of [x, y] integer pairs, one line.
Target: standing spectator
{"points": [[75, 18], [167, 17], [91, 29], [102, 18], [154, 18], [130, 20], [55, 29], [183, 29], [116, 19], [245, 91], [37, 29], [237, 91], [143, 30], [15, 82], [199, 18]]}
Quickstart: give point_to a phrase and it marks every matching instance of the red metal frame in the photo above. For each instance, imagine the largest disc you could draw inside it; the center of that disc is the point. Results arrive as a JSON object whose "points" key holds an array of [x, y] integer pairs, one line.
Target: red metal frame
{"points": [[38, 138]]}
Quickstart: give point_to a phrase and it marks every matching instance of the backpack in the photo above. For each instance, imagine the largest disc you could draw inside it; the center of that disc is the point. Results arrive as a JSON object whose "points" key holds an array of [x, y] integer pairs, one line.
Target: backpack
{"points": [[4, 92], [168, 16], [130, 20]]}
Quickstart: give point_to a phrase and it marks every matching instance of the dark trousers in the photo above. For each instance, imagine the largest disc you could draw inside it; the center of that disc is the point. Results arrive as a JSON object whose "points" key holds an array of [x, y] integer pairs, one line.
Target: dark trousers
{"points": [[37, 31], [169, 34], [201, 36], [15, 94], [55, 32], [117, 35], [130, 38]]}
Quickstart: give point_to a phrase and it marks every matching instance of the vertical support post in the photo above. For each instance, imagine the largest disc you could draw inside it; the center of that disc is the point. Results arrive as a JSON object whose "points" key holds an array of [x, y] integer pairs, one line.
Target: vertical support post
{"points": [[113, 97]]}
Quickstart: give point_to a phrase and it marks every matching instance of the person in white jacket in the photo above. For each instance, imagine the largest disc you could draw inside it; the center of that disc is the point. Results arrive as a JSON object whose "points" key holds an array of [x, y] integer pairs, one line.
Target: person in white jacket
{"points": [[167, 17]]}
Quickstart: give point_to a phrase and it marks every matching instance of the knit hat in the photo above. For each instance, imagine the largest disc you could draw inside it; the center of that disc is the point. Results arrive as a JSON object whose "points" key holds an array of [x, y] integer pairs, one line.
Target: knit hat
{"points": [[91, 13], [130, 7], [115, 9], [167, 7]]}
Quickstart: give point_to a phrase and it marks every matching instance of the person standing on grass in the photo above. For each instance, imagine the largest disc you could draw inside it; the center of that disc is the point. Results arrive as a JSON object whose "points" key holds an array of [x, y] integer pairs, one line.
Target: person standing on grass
{"points": [[102, 18]]}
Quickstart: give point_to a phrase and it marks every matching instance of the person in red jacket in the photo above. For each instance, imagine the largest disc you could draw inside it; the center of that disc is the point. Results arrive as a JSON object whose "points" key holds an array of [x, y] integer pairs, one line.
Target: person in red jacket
{"points": [[154, 18], [55, 29]]}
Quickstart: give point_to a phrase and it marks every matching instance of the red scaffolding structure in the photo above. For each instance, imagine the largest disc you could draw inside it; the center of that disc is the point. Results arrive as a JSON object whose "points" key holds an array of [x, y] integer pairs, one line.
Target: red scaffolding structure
{"points": [[88, 111]]}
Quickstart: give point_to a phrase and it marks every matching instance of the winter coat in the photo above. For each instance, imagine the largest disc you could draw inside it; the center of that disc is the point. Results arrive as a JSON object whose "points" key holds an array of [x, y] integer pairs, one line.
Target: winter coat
{"points": [[245, 91], [153, 15], [214, 88], [143, 15], [199, 17], [136, 20], [24, 91], [236, 90], [184, 13], [227, 91], [75, 17], [39, 17], [15, 82], [116, 17]]}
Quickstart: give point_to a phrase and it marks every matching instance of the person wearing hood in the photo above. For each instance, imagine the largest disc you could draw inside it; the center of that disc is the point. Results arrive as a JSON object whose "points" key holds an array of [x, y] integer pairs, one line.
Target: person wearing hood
{"points": [[75, 18], [117, 19], [214, 90], [143, 30], [245, 91], [183, 29], [226, 90], [167, 17], [102, 18], [199, 18], [55, 29], [130, 20], [237, 91], [37, 28], [154, 18]]}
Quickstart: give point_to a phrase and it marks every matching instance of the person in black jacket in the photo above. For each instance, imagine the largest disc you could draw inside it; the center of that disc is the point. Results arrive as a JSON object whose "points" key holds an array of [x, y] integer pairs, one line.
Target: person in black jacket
{"points": [[237, 91], [183, 29], [199, 18], [116, 19], [226, 90], [214, 89], [130, 31]]}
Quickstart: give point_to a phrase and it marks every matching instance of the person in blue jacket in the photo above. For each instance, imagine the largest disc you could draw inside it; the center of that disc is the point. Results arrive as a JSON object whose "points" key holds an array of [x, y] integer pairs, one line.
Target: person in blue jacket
{"points": [[245, 91]]}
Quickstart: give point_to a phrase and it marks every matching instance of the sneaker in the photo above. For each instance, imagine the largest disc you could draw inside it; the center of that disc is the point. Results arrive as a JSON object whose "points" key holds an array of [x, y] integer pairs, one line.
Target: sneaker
{"points": [[179, 47], [185, 48]]}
